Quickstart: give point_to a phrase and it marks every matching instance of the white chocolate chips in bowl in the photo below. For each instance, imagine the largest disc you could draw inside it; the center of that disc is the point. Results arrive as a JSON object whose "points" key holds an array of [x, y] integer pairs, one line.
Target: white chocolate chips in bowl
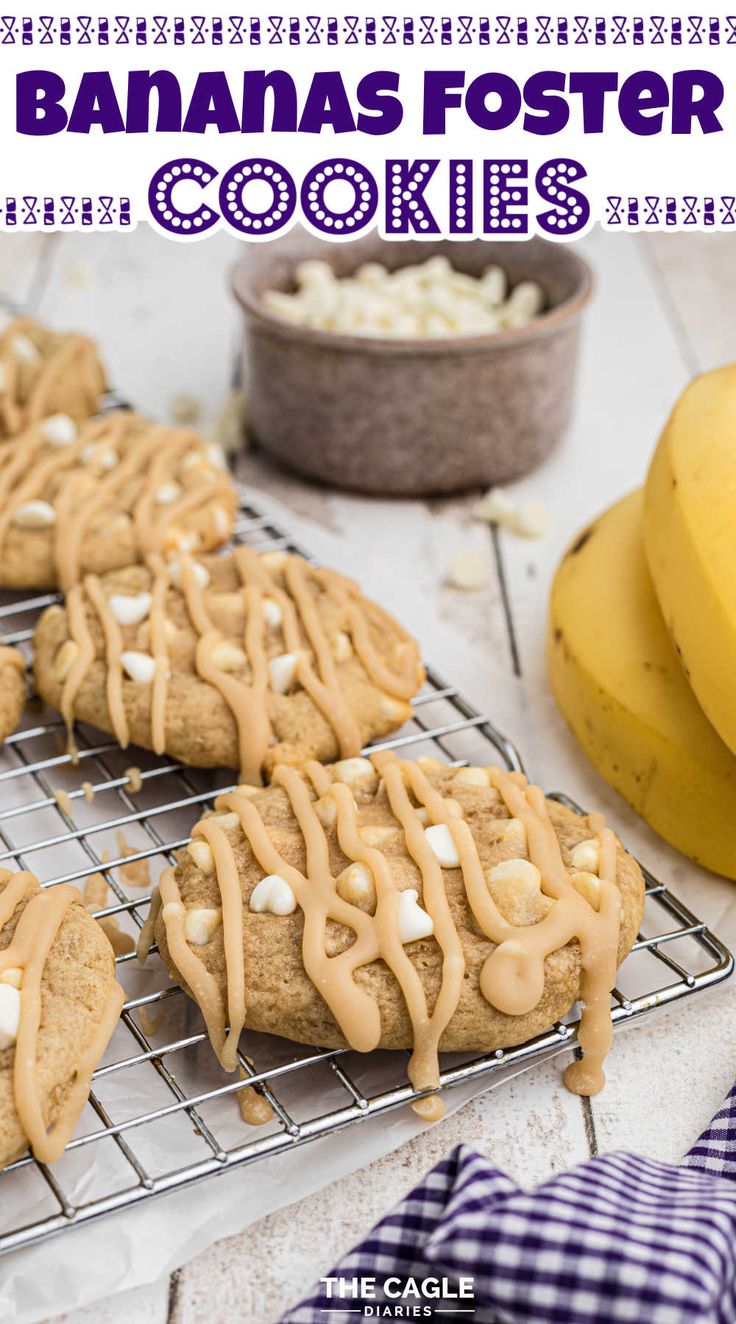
{"points": [[424, 300]]}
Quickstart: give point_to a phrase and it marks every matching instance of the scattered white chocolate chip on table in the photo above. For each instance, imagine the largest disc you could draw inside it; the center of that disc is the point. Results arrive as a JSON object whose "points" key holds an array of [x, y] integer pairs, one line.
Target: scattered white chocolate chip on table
{"points": [[527, 519], [468, 570]]}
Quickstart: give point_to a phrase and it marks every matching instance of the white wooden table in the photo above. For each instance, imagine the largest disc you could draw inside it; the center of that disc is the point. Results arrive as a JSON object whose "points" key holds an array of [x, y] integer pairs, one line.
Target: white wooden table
{"points": [[664, 310]]}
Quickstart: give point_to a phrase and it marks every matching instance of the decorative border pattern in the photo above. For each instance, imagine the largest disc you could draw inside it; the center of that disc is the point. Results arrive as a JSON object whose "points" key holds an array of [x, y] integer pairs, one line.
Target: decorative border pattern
{"points": [[31, 211], [379, 30]]}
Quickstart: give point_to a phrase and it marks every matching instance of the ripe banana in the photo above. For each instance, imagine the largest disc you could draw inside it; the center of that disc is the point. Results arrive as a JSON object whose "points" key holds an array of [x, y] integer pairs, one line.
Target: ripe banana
{"points": [[690, 538], [617, 679]]}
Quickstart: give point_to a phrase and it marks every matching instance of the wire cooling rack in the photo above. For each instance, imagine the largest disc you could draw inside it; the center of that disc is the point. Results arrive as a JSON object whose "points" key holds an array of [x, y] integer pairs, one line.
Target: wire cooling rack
{"points": [[162, 1115]]}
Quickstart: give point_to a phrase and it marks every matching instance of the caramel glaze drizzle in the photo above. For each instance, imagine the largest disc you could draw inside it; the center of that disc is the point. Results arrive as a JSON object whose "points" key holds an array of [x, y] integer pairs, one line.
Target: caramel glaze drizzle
{"points": [[28, 950], [512, 978], [70, 356], [246, 699], [149, 456]]}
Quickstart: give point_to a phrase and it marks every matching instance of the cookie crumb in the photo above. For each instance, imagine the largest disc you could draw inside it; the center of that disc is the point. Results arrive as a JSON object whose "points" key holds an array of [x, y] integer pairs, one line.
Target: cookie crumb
{"points": [[468, 570], [135, 780], [89, 792], [255, 1110], [184, 408], [138, 872], [63, 802]]}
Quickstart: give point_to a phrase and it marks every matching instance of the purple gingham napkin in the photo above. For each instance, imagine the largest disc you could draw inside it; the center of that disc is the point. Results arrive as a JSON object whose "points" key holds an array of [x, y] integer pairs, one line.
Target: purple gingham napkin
{"points": [[618, 1238]]}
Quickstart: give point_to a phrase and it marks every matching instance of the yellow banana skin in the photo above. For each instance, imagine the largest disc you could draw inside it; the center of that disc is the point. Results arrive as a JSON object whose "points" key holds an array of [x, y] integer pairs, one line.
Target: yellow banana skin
{"points": [[690, 538], [617, 680]]}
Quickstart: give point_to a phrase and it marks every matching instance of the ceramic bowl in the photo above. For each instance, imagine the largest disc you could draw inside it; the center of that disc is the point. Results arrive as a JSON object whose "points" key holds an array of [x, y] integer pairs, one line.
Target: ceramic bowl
{"points": [[411, 417]]}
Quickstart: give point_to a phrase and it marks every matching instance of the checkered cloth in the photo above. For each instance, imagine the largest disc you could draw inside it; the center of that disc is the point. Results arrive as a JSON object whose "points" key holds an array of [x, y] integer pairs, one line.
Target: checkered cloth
{"points": [[618, 1238]]}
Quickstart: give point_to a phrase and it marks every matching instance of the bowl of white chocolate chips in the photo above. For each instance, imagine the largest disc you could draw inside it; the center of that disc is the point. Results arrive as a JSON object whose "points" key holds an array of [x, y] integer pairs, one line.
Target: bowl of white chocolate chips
{"points": [[414, 367]]}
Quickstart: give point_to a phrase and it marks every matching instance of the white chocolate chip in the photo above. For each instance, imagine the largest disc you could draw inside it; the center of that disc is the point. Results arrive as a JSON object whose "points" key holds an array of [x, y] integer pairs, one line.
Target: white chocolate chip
{"points": [[414, 922], [274, 895], [221, 521], [516, 888], [588, 885], [34, 515], [521, 872], [511, 832], [532, 520], [394, 710], [200, 851], [59, 430], [215, 455], [356, 886], [342, 649], [141, 667], [226, 821], [326, 810], [65, 659], [201, 924], [442, 844], [272, 613], [524, 302], [355, 770], [102, 457], [468, 570], [496, 507], [99, 457], [273, 560], [23, 348], [379, 835], [200, 572], [228, 658], [527, 519], [427, 298], [282, 672], [9, 1015], [13, 975], [167, 494], [185, 542], [129, 608], [586, 856], [471, 777]]}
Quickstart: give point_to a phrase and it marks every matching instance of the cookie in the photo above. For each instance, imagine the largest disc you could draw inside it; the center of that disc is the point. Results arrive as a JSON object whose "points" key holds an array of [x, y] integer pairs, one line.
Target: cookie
{"points": [[12, 689], [46, 372], [59, 1004], [103, 495], [240, 660], [392, 904]]}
